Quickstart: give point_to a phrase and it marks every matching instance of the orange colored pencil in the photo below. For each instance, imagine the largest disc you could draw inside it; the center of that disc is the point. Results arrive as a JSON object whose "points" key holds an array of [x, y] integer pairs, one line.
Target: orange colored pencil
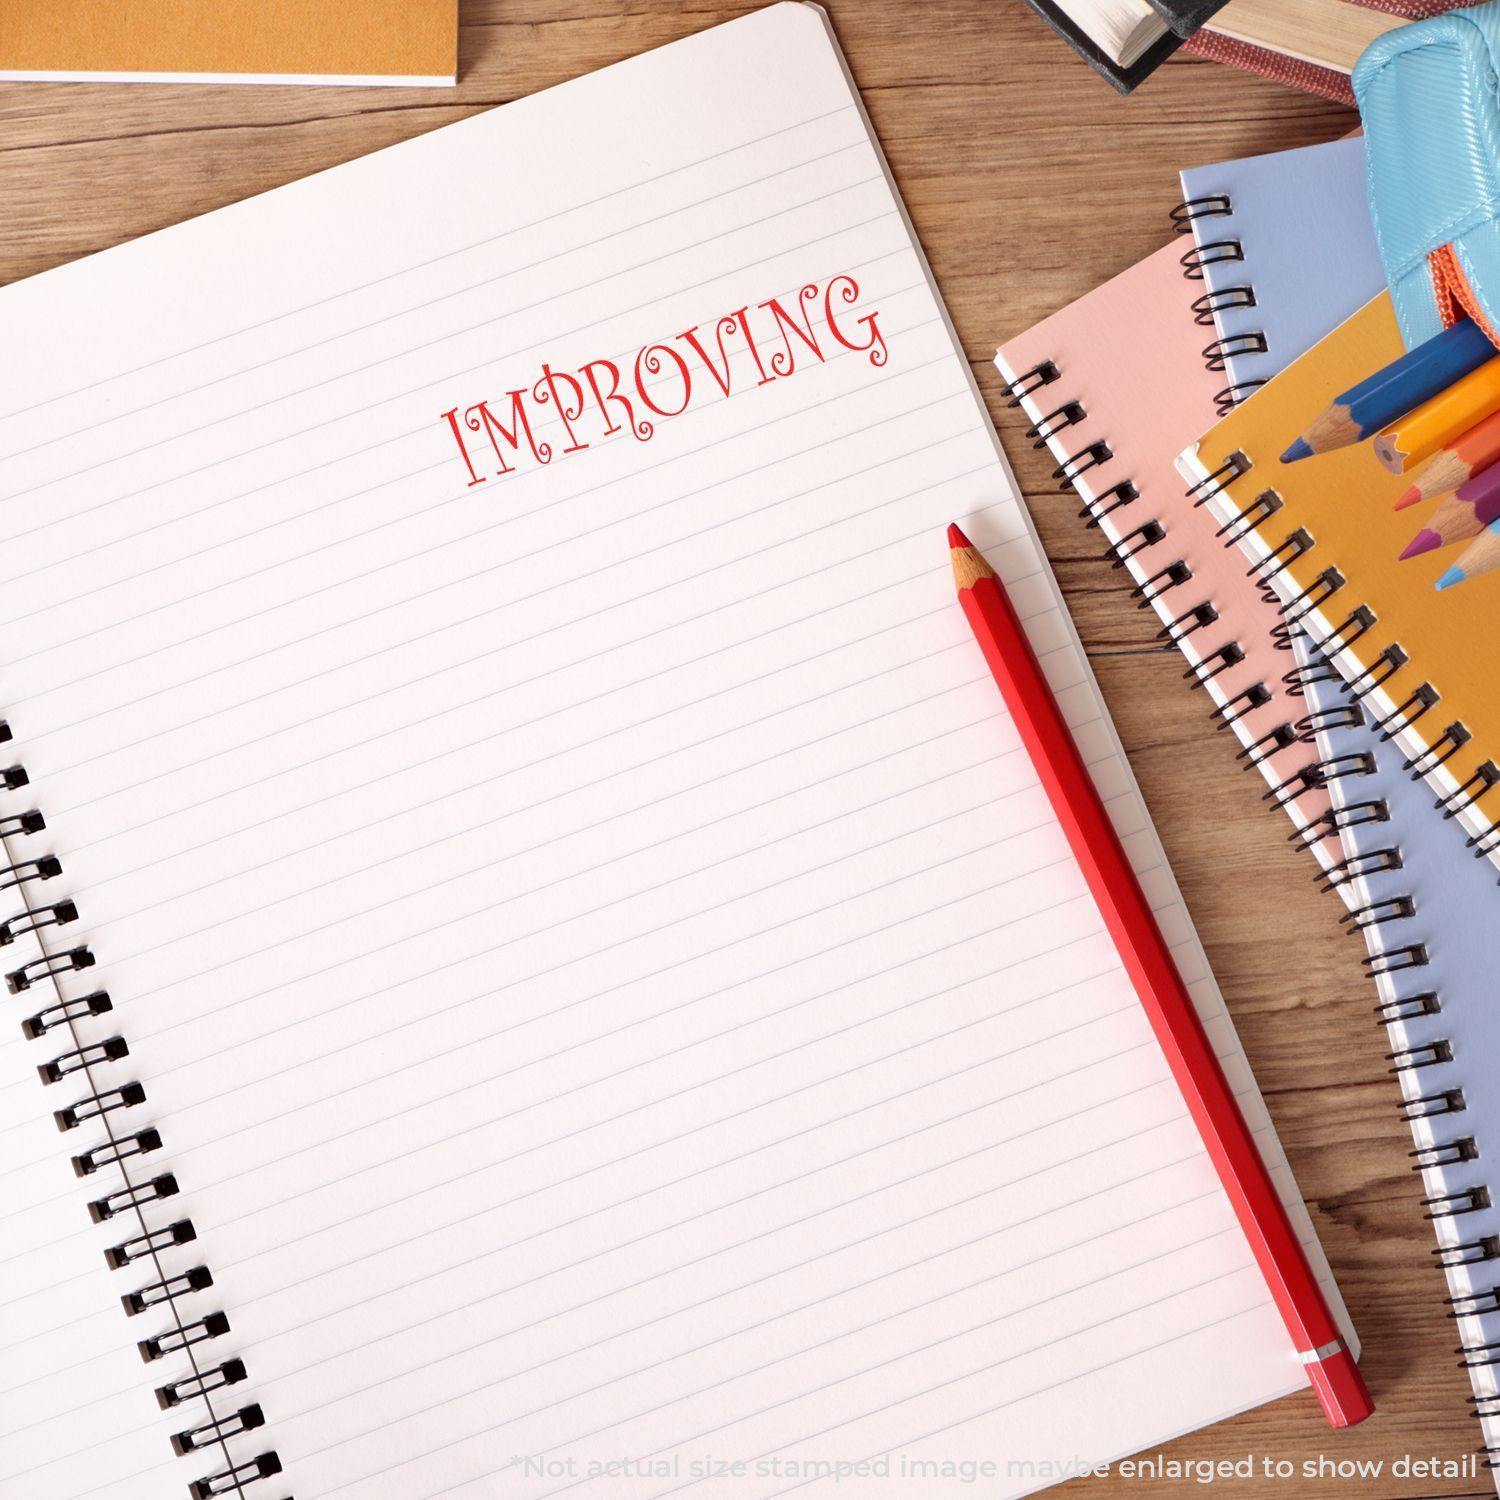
{"points": [[1455, 463], [1446, 417], [1148, 960]]}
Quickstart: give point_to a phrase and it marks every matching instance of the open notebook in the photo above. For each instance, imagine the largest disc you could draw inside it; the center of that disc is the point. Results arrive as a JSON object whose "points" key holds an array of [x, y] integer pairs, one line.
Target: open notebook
{"points": [[606, 985]]}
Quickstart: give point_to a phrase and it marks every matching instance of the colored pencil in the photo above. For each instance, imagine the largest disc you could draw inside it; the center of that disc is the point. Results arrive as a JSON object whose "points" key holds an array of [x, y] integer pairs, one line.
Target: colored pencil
{"points": [[1456, 520], [1158, 984], [1405, 442], [1481, 556], [1397, 389], [1455, 463]]}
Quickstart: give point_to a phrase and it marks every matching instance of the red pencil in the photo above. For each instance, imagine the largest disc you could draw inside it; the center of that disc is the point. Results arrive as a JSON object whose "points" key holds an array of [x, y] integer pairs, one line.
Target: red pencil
{"points": [[1148, 960]]}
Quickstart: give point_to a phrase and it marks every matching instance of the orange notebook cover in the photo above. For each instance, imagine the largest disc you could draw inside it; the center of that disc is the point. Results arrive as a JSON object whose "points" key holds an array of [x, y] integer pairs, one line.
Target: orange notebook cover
{"points": [[1329, 543], [412, 42]]}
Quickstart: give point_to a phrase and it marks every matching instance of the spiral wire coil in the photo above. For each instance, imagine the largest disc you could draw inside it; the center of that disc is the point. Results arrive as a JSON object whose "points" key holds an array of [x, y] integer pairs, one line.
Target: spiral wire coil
{"points": [[1196, 263], [88, 1065], [1480, 1254]]}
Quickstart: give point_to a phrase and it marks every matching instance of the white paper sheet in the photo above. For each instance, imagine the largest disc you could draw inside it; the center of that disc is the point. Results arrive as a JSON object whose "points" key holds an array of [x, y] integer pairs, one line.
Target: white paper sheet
{"points": [[609, 985]]}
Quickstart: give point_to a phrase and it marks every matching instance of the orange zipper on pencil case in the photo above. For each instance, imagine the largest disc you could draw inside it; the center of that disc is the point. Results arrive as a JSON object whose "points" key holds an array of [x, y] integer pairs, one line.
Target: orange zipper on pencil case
{"points": [[1455, 297]]}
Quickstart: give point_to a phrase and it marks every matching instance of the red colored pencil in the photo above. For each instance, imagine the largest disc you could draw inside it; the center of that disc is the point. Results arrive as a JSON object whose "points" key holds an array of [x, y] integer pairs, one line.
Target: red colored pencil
{"points": [[1148, 960]]}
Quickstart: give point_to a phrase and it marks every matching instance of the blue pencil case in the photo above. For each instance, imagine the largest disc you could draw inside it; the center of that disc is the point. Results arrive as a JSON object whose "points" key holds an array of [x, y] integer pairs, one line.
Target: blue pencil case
{"points": [[1429, 96]]}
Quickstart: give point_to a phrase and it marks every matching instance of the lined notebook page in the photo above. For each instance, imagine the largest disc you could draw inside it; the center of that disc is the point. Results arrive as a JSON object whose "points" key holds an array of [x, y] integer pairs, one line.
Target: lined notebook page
{"points": [[73, 1405], [609, 984]]}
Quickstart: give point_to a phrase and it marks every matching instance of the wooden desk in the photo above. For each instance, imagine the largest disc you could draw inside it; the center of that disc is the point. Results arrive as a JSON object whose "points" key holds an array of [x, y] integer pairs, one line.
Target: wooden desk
{"points": [[1030, 182]]}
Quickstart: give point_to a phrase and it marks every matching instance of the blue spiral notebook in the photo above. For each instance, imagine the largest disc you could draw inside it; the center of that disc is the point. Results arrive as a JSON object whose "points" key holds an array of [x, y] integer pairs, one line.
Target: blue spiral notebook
{"points": [[1284, 247]]}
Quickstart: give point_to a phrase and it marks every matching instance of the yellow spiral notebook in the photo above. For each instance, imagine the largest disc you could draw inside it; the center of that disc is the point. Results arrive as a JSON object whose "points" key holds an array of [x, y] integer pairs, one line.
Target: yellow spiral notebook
{"points": [[1325, 535]]}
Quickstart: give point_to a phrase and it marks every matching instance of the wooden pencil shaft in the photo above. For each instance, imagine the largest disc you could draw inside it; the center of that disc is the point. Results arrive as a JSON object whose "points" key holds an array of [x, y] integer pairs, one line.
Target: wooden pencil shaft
{"points": [[1402, 386], [1441, 420]]}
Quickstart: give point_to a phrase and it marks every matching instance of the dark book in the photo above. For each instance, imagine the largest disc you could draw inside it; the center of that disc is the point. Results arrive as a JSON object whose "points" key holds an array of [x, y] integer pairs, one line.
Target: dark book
{"points": [[1125, 77], [1186, 16]]}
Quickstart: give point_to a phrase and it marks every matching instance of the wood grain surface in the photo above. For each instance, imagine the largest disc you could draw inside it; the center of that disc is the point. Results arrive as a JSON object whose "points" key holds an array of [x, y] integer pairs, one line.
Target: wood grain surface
{"points": [[1030, 182]]}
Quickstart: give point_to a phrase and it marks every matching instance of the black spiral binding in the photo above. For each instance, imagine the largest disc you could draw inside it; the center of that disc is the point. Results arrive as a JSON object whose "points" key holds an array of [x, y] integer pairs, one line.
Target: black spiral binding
{"points": [[1420, 701], [107, 1106], [1195, 262], [1195, 618], [1397, 956]]}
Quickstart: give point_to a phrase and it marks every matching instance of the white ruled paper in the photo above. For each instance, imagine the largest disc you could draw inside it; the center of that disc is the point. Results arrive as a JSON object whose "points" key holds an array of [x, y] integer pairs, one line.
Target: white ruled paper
{"points": [[613, 995]]}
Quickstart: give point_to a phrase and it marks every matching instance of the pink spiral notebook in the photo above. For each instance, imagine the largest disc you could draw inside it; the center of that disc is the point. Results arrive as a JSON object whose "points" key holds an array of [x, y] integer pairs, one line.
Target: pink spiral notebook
{"points": [[1110, 383]]}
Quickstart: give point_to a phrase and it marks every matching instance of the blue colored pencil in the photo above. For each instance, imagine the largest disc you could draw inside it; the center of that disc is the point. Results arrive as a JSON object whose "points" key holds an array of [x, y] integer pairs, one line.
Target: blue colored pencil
{"points": [[1400, 387], [1482, 555]]}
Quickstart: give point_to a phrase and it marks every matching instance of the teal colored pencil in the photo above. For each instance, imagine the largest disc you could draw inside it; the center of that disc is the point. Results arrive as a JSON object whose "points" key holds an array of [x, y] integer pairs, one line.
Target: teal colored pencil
{"points": [[1482, 555], [1390, 393]]}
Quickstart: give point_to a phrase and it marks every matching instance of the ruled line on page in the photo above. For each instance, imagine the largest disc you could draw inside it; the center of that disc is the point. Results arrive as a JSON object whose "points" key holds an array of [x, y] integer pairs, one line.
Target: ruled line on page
{"points": [[130, 955], [43, 732], [1098, 1369], [470, 1302], [203, 886], [427, 1017], [220, 1051], [726, 860], [924, 1260], [708, 781], [415, 765], [655, 1102], [652, 845], [305, 1412], [449, 375], [636, 894], [313, 974], [717, 1251], [685, 249], [553, 1227], [658, 973], [679, 749], [469, 537], [988, 1323], [488, 240], [690, 1088], [925, 999], [654, 221], [546, 425], [713, 1167], [876, 1234], [1090, 1327], [543, 426], [593, 827], [982, 1370], [445, 754]]}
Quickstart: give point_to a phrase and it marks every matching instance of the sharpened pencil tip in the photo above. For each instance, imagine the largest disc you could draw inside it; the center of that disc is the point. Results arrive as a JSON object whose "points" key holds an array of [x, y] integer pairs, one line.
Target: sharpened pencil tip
{"points": [[1298, 450], [1409, 497], [1426, 540], [968, 561], [1452, 576]]}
